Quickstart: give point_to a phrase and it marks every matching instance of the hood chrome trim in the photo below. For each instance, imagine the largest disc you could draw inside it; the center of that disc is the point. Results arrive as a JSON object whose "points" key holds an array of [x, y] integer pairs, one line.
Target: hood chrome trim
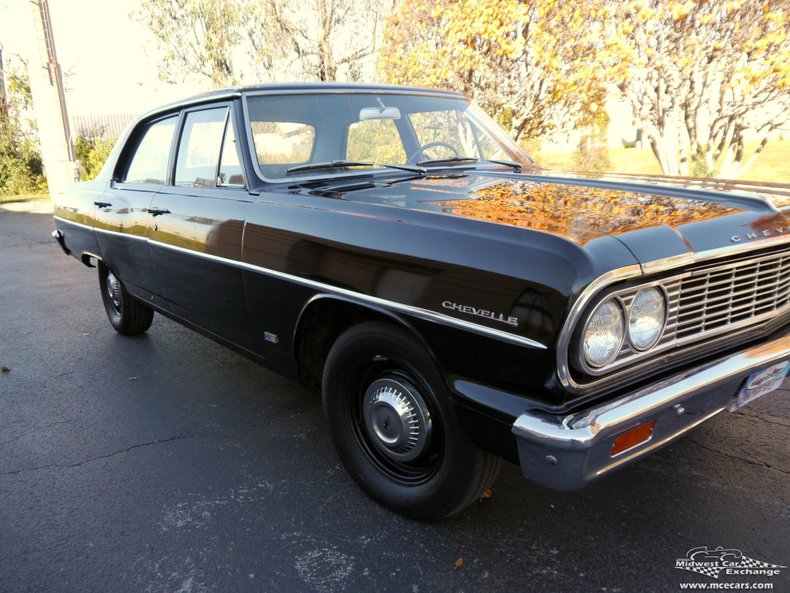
{"points": [[687, 259]]}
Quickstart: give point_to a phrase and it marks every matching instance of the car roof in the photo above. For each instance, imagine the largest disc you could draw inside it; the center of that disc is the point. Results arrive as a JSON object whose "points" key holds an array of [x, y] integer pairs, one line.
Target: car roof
{"points": [[297, 87]]}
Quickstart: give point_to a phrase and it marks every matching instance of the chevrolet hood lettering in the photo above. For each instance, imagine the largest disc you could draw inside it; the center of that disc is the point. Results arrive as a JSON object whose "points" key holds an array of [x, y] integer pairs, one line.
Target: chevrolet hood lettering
{"points": [[774, 232]]}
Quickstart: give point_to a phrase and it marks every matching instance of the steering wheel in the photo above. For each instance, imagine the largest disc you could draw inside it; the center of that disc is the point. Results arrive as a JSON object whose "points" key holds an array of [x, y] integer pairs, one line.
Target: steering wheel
{"points": [[430, 145]]}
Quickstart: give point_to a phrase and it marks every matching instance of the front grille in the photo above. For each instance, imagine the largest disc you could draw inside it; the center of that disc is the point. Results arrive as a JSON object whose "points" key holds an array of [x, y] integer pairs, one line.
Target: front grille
{"points": [[717, 297], [714, 299]]}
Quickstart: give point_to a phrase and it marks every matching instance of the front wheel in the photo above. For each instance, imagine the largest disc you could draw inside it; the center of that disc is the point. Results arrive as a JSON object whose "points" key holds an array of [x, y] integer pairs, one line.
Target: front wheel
{"points": [[393, 427], [127, 315]]}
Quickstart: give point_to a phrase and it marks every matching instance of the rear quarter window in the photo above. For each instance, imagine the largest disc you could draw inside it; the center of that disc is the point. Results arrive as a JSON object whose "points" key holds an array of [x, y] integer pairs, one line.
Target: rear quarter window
{"points": [[148, 163]]}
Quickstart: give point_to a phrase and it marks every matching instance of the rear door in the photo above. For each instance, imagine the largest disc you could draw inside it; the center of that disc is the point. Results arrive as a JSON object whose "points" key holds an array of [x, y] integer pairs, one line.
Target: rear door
{"points": [[121, 213], [196, 226]]}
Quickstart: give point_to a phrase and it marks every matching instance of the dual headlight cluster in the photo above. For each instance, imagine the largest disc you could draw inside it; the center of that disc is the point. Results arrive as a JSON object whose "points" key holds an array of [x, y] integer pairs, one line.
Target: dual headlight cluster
{"points": [[613, 322]]}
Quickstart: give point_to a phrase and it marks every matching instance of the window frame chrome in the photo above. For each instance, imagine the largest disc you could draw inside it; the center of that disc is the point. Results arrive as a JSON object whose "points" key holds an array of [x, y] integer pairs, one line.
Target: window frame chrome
{"points": [[246, 95]]}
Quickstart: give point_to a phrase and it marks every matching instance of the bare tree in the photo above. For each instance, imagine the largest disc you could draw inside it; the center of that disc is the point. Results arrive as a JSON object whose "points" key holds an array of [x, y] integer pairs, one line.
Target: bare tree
{"points": [[701, 77], [322, 40]]}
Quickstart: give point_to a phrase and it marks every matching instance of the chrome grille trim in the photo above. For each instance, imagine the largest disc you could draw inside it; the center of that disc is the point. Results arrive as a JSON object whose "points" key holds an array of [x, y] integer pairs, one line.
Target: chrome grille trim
{"points": [[717, 297], [712, 300]]}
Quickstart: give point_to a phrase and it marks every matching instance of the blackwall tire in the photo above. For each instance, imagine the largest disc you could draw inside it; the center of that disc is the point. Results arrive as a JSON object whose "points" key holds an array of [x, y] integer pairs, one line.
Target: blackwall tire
{"points": [[127, 315], [393, 426]]}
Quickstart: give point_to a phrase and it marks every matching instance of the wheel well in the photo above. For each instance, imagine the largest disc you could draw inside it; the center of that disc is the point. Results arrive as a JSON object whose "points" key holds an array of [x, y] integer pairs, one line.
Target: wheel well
{"points": [[321, 323]]}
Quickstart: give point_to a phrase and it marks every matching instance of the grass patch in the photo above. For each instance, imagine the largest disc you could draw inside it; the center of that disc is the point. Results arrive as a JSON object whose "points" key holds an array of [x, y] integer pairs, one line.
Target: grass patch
{"points": [[22, 198], [773, 164]]}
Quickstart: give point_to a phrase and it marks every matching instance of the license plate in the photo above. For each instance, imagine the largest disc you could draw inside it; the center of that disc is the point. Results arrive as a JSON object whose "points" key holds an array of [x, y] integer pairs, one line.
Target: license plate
{"points": [[760, 383]]}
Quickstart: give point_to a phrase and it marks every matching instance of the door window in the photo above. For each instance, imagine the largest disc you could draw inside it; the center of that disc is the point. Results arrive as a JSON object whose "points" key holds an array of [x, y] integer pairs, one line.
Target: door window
{"points": [[199, 148], [230, 173], [149, 162]]}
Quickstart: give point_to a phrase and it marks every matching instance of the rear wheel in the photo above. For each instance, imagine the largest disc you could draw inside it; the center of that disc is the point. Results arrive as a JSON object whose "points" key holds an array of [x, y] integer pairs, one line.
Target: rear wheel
{"points": [[127, 315], [393, 426]]}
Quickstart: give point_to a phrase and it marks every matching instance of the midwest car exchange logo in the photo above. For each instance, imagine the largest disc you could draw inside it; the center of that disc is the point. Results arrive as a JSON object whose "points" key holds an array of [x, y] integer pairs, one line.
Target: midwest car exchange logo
{"points": [[731, 562]]}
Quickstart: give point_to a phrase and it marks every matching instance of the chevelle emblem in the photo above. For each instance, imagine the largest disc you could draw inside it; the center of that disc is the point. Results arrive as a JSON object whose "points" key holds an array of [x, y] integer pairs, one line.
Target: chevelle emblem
{"points": [[510, 320], [780, 230]]}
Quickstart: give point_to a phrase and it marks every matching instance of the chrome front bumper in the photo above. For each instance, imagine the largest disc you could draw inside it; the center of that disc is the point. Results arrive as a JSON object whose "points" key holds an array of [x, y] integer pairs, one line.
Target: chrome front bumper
{"points": [[568, 452]]}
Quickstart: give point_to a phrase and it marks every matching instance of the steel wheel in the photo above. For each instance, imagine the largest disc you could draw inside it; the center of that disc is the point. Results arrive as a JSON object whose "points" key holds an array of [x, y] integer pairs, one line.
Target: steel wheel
{"points": [[126, 314], [114, 293], [394, 428]]}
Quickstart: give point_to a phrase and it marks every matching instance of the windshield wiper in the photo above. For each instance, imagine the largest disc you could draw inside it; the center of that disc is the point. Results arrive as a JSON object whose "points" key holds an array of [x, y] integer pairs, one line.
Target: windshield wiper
{"points": [[327, 165], [342, 163], [516, 166], [449, 160]]}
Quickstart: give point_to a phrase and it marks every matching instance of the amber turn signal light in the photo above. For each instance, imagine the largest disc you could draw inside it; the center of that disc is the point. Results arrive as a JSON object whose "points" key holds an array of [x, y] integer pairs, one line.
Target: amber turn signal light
{"points": [[632, 438]]}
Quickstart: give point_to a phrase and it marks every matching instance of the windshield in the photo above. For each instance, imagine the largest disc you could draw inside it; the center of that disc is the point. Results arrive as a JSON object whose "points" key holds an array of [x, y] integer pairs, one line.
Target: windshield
{"points": [[292, 132]]}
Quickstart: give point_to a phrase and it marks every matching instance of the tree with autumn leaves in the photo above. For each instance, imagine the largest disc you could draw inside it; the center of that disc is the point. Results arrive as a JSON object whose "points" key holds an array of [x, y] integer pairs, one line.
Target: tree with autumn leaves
{"points": [[699, 75], [510, 56]]}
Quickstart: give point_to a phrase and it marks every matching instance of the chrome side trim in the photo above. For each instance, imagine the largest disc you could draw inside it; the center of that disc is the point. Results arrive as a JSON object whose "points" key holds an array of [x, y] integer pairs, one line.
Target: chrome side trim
{"points": [[92, 255], [419, 312]]}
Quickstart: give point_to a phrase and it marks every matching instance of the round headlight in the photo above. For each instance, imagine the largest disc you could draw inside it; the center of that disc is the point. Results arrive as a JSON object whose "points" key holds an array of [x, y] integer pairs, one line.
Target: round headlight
{"points": [[646, 318], [603, 334]]}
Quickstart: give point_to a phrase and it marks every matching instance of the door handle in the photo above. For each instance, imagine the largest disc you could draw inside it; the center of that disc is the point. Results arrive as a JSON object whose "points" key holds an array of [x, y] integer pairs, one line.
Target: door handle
{"points": [[102, 204], [157, 211]]}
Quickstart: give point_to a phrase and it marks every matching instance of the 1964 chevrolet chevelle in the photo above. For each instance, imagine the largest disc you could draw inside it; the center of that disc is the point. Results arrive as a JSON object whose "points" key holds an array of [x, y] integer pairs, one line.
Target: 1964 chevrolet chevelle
{"points": [[457, 304]]}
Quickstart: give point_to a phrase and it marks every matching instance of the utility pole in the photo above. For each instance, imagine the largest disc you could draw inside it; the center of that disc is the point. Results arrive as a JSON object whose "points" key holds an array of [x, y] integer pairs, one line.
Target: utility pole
{"points": [[2, 83], [49, 104]]}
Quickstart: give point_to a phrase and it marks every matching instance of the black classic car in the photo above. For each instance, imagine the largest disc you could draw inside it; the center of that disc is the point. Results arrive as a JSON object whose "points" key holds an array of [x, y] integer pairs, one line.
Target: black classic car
{"points": [[457, 304]]}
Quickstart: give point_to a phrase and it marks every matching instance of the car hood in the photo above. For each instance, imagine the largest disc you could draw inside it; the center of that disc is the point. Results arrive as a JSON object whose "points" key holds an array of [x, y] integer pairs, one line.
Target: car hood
{"points": [[654, 217]]}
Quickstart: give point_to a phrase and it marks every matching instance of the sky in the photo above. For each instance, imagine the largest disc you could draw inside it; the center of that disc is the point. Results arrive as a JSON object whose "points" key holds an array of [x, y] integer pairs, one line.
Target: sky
{"points": [[108, 58]]}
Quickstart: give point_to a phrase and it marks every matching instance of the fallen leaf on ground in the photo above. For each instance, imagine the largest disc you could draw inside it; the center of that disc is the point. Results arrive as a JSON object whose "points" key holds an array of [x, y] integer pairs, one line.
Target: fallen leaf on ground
{"points": [[459, 563]]}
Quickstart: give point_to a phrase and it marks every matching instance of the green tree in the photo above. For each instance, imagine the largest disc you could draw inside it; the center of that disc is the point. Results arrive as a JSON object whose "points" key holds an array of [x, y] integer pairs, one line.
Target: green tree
{"points": [[92, 151], [197, 37], [21, 168]]}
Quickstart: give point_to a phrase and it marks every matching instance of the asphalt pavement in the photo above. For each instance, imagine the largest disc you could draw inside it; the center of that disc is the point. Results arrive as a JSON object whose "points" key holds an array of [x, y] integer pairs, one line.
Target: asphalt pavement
{"points": [[167, 463]]}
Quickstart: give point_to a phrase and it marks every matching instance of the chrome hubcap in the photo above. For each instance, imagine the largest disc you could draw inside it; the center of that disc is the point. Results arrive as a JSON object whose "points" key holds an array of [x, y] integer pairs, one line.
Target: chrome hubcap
{"points": [[396, 419], [114, 291]]}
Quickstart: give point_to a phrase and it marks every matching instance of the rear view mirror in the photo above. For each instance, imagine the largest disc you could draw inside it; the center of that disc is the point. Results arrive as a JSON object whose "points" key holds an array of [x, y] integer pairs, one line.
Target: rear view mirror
{"points": [[380, 112]]}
